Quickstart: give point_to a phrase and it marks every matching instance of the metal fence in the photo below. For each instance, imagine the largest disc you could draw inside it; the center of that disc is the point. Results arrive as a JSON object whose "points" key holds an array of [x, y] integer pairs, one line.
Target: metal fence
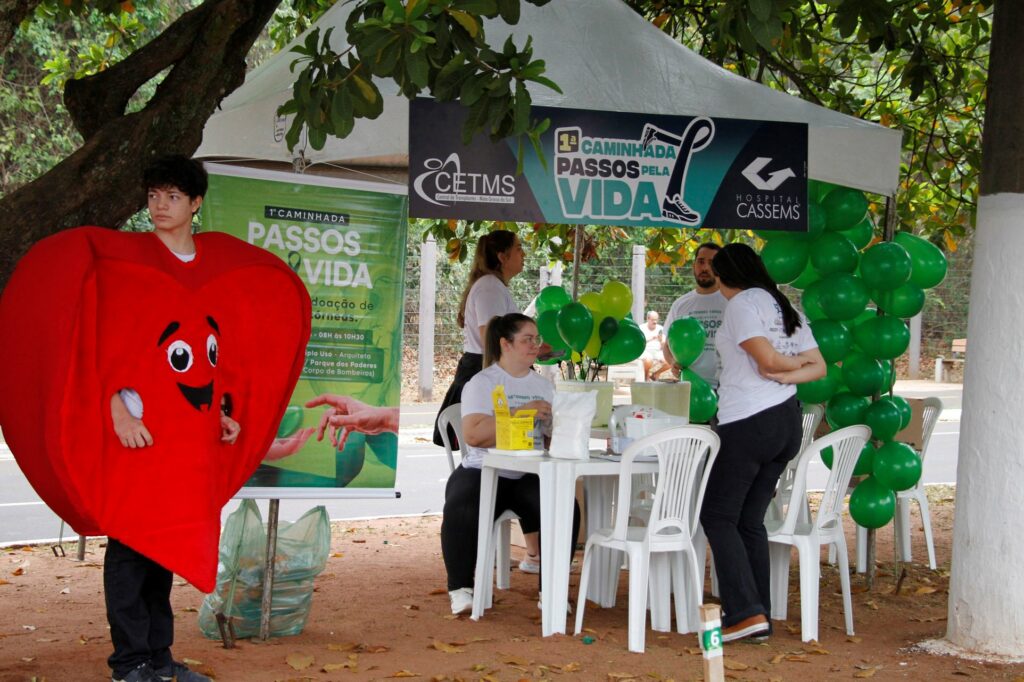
{"points": [[944, 317]]}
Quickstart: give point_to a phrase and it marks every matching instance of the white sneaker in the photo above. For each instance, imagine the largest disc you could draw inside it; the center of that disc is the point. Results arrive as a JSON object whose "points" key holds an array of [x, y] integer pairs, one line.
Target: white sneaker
{"points": [[462, 600], [540, 603], [531, 564]]}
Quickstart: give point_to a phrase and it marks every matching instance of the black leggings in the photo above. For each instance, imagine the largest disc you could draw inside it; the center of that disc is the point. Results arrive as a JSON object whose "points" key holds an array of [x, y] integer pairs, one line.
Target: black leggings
{"points": [[460, 522]]}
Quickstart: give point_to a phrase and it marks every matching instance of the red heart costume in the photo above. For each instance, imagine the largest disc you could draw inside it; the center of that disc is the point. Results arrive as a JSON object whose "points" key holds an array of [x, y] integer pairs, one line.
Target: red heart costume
{"points": [[90, 311]]}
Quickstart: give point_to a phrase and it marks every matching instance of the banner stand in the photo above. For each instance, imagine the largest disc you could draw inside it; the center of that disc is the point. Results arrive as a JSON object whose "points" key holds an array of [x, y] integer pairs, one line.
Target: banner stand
{"points": [[268, 571]]}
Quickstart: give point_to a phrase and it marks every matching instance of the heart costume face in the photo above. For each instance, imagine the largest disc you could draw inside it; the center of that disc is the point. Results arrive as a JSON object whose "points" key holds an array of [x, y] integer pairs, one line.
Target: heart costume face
{"points": [[91, 311]]}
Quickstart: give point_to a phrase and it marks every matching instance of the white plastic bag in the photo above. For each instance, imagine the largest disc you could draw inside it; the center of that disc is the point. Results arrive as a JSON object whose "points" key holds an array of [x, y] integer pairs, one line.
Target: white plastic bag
{"points": [[571, 415]]}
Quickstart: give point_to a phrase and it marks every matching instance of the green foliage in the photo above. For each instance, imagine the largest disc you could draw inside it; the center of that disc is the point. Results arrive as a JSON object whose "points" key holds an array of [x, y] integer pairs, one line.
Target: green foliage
{"points": [[916, 66], [438, 47]]}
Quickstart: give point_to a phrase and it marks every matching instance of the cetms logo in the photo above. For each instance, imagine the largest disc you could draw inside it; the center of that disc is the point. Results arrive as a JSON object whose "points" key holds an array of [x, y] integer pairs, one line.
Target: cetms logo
{"points": [[445, 183]]}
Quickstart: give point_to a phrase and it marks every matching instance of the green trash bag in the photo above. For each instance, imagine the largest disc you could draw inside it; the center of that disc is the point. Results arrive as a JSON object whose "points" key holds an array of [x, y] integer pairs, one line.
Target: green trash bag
{"points": [[302, 549]]}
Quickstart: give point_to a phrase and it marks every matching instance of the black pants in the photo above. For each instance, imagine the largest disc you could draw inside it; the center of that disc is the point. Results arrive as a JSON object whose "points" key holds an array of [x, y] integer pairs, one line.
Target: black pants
{"points": [[138, 596], [469, 366], [461, 518], [753, 454]]}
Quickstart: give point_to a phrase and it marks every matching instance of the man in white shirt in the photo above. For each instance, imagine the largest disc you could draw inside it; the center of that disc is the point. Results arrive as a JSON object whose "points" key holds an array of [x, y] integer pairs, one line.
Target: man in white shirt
{"points": [[705, 304], [654, 335]]}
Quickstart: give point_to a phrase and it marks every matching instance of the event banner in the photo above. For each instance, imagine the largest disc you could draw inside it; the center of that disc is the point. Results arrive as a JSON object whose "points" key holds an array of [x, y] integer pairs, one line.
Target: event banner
{"points": [[346, 241], [602, 167]]}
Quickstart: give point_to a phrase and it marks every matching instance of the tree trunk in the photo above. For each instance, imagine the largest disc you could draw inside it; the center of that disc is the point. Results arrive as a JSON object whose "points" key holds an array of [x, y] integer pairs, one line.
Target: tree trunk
{"points": [[100, 183], [12, 13], [986, 597]]}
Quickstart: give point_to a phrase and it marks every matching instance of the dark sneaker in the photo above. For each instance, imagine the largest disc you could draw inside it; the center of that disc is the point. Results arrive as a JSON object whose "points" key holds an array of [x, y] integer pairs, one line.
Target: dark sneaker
{"points": [[755, 626], [674, 208], [142, 673], [179, 672]]}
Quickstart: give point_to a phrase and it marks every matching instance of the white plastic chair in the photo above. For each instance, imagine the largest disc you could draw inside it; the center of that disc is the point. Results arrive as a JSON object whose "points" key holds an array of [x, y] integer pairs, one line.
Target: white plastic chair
{"points": [[931, 410], [825, 529], [452, 416], [776, 509], [661, 554]]}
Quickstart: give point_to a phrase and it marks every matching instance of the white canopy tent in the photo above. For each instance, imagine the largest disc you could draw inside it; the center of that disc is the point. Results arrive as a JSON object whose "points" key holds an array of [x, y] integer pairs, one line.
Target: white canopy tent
{"points": [[603, 56]]}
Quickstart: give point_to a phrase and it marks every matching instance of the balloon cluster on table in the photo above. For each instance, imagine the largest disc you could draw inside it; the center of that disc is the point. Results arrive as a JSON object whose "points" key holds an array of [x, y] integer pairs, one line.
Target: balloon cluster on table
{"points": [[685, 338], [841, 269], [595, 331]]}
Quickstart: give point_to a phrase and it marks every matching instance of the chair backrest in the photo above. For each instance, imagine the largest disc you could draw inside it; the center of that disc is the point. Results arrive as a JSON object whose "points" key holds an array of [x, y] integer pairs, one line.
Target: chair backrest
{"points": [[685, 456], [809, 425], [929, 417], [846, 445], [450, 416]]}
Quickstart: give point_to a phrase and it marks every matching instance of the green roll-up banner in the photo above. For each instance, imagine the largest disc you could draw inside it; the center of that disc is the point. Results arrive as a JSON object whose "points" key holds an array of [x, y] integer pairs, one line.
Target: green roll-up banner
{"points": [[346, 240]]}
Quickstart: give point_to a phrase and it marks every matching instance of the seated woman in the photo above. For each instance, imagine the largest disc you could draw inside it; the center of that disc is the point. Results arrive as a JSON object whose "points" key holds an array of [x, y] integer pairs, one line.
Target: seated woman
{"points": [[510, 349]]}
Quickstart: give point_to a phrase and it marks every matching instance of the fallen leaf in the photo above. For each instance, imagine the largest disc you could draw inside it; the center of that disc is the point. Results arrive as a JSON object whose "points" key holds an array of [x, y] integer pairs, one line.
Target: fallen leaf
{"points": [[818, 650], [4, 582], [404, 673], [66, 590], [623, 676], [797, 658], [28, 659], [47, 640], [777, 658], [191, 662], [437, 591], [337, 555], [411, 607], [734, 665], [447, 648], [513, 660], [331, 667], [571, 667], [345, 646], [359, 542], [925, 590], [30, 628], [870, 672], [855, 640], [375, 649], [299, 661], [870, 603], [18, 571]]}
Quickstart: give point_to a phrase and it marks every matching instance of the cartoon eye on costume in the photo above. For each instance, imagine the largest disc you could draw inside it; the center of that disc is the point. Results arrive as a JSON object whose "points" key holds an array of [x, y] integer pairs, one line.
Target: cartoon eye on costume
{"points": [[179, 355], [211, 349]]}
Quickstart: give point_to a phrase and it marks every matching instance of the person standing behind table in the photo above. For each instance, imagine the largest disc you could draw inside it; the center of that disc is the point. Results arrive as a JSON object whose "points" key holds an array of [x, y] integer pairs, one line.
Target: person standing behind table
{"points": [[766, 347], [654, 335], [512, 345], [499, 257], [705, 304]]}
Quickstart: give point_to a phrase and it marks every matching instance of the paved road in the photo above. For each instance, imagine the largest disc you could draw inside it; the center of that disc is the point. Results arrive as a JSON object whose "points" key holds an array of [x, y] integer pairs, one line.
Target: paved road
{"points": [[422, 471]]}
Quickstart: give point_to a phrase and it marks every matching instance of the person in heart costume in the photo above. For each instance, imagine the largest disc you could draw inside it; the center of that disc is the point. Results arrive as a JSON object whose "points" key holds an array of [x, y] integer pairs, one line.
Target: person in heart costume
{"points": [[148, 374]]}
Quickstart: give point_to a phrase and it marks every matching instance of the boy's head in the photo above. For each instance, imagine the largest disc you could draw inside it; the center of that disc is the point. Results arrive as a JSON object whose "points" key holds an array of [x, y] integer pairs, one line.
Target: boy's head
{"points": [[188, 175]]}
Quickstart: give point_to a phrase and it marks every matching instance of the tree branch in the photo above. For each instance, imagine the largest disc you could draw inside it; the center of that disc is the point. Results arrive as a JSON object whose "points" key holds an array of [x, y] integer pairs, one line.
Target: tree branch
{"points": [[12, 13]]}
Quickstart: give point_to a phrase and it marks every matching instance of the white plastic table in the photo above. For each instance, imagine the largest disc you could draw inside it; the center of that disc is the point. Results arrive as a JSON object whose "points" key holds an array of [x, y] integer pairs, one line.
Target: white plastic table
{"points": [[557, 494]]}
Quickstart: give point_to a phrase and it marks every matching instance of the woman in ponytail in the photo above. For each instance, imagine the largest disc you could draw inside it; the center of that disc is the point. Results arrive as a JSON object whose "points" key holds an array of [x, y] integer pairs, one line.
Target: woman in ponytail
{"points": [[766, 348]]}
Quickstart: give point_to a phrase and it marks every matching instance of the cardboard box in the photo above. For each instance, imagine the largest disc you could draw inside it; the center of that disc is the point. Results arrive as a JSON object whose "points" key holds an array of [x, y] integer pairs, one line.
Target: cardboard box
{"points": [[913, 435]]}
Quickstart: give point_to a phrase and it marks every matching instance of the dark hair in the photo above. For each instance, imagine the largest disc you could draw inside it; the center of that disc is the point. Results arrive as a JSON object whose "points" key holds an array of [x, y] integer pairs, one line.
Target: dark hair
{"points": [[738, 266], [498, 328], [707, 245], [486, 262], [179, 171]]}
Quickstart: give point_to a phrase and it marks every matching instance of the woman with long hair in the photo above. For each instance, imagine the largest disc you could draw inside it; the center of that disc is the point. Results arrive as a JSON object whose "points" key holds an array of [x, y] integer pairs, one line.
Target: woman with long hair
{"points": [[499, 257], [511, 346], [766, 348]]}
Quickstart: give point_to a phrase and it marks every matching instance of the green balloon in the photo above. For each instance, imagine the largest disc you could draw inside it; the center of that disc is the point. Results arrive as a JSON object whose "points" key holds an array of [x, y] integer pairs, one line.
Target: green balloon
{"points": [[872, 504], [862, 375], [785, 258], [820, 390], [592, 300], [844, 208], [884, 419], [843, 296], [832, 252], [883, 336], [906, 412], [897, 466], [815, 223], [547, 325], [810, 301], [552, 298], [864, 459], [626, 346], [617, 299], [607, 329], [686, 337], [885, 266], [845, 409], [833, 339], [575, 324], [929, 264], [817, 189], [703, 401], [808, 277], [860, 234], [903, 302]]}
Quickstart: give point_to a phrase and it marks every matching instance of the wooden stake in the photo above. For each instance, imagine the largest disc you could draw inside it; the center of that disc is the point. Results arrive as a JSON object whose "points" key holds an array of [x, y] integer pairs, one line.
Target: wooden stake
{"points": [[711, 642]]}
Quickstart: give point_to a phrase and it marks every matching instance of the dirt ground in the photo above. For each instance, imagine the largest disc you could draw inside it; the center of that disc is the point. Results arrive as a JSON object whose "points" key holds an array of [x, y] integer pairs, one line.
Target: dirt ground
{"points": [[380, 611]]}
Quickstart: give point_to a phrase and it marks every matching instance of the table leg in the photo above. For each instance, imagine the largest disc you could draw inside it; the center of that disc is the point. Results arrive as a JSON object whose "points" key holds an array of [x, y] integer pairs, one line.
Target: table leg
{"points": [[482, 579]]}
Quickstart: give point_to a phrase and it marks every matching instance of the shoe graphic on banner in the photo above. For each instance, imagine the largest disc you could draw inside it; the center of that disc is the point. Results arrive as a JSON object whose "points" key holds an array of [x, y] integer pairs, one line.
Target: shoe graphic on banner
{"points": [[674, 208]]}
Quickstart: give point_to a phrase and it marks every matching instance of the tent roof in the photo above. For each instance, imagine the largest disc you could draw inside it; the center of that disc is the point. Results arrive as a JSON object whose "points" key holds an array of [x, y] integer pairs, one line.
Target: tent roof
{"points": [[585, 46]]}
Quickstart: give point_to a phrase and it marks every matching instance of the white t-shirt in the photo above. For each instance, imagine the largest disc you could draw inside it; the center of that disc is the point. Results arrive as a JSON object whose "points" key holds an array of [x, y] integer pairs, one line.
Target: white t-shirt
{"points": [[476, 399], [708, 310], [488, 297], [652, 337], [743, 391]]}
